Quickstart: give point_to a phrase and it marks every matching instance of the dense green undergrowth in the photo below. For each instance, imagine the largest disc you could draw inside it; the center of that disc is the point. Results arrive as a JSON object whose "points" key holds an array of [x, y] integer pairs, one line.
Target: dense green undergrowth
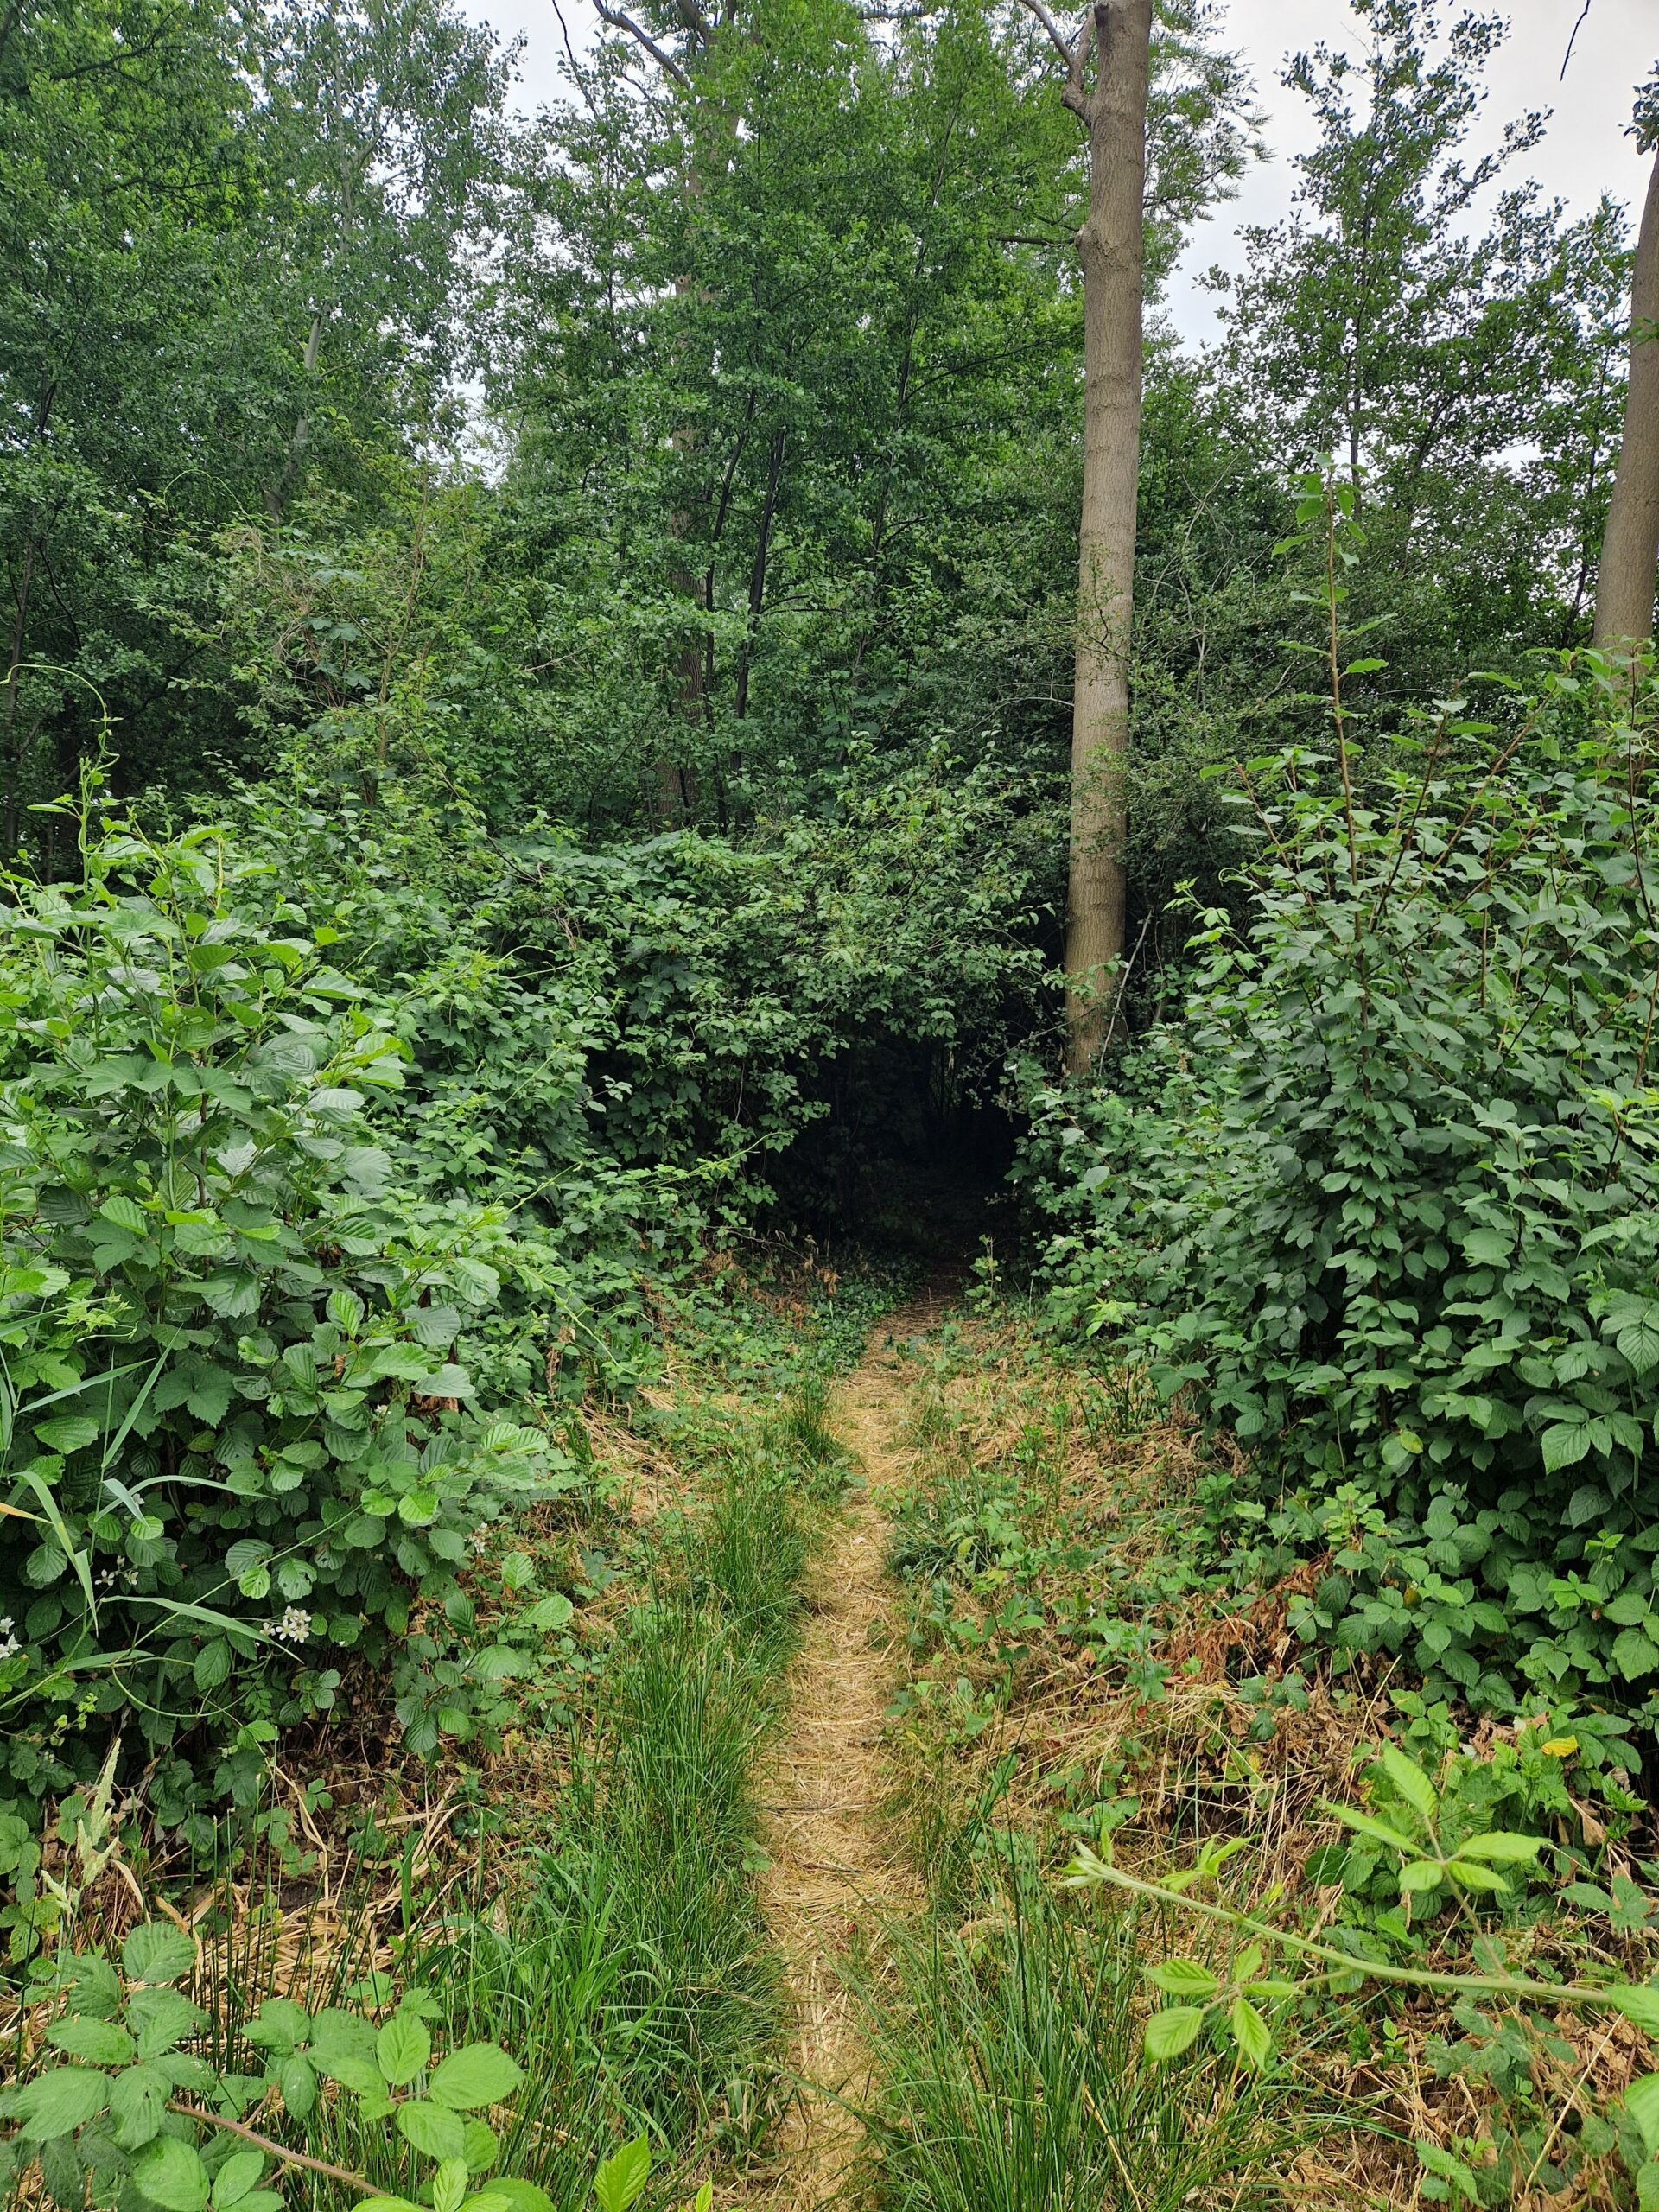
{"points": [[340, 1167], [1427, 1941], [608, 1936], [1380, 1202]]}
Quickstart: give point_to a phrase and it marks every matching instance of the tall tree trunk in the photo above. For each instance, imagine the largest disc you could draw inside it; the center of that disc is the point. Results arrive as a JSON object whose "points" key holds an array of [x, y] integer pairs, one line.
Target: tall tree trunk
{"points": [[1629, 552], [758, 573], [13, 753], [277, 494], [1111, 247]]}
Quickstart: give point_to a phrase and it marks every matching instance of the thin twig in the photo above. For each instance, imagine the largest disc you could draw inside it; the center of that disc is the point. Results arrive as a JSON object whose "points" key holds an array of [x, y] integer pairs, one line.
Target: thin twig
{"points": [[1573, 41]]}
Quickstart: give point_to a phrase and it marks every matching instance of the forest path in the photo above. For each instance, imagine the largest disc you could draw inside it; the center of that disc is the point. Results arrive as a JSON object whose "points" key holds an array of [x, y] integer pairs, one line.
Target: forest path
{"points": [[836, 1868]]}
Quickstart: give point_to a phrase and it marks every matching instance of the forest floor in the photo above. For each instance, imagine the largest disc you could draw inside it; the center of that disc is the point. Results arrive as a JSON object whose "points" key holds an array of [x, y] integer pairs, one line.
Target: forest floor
{"points": [[820, 1685]]}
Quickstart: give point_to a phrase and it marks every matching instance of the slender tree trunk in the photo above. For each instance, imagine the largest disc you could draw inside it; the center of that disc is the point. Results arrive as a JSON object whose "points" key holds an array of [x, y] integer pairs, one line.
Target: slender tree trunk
{"points": [[14, 765], [1111, 247], [675, 778], [758, 573], [1629, 550], [277, 494]]}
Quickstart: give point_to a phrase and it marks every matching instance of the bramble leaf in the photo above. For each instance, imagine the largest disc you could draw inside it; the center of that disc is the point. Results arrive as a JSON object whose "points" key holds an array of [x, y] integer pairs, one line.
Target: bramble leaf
{"points": [[477, 2076], [1172, 2031]]}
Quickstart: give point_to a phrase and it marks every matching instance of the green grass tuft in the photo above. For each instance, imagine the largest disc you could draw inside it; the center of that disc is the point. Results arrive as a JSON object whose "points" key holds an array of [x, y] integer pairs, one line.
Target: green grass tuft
{"points": [[1015, 2081]]}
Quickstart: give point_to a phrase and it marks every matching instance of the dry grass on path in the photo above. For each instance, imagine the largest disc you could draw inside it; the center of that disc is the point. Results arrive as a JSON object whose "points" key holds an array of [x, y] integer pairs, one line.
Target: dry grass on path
{"points": [[836, 1868]]}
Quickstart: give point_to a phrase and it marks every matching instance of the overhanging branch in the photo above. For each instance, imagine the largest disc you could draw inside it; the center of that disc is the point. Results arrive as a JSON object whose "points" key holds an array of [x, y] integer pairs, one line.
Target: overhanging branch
{"points": [[665, 60]]}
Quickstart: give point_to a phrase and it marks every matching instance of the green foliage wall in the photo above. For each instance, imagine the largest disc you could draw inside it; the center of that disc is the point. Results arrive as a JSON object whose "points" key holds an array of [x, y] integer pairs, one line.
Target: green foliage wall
{"points": [[1385, 1202]]}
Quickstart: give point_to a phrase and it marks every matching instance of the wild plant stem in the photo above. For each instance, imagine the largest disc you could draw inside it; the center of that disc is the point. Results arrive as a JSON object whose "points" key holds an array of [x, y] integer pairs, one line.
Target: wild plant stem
{"points": [[1093, 1869], [277, 2150]]}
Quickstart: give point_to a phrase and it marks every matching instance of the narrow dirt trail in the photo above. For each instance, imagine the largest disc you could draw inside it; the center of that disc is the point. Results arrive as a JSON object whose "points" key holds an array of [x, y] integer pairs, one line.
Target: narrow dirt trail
{"points": [[836, 1869]]}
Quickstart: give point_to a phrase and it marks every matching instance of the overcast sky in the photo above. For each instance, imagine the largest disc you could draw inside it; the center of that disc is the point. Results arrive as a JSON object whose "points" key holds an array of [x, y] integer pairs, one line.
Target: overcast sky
{"points": [[1584, 151]]}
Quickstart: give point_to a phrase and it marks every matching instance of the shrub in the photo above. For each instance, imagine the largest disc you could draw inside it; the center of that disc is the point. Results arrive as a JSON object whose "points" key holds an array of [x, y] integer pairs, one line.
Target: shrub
{"points": [[240, 1441], [1387, 1208]]}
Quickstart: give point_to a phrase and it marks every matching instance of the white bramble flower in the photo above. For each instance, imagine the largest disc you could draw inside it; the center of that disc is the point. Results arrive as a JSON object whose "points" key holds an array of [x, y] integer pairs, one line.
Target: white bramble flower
{"points": [[294, 1627]]}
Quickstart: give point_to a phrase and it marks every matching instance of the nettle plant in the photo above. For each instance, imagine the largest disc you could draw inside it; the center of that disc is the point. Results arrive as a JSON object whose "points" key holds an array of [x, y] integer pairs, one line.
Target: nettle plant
{"points": [[130, 2097], [237, 1439], [1446, 1877]]}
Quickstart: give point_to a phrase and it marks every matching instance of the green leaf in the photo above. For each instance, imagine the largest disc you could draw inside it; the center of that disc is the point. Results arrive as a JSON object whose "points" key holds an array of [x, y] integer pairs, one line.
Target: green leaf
{"points": [[209, 1396], [434, 2131], [1500, 1846], [1444, 2167], [155, 1952], [237, 2178], [1422, 1874], [138, 2106], [1469, 1875], [362, 2076], [280, 2025], [620, 2181], [169, 2172], [1565, 1444], [161, 2020], [1379, 1831], [1172, 2031], [100, 2042], [1638, 1341], [71, 1433], [479, 2148], [402, 2048], [449, 2186], [58, 2102], [1634, 1656], [1488, 1248], [297, 2078], [1183, 1978], [338, 2035], [1640, 2007], [476, 2076], [550, 1614], [1251, 2033], [1413, 1785], [1642, 2103]]}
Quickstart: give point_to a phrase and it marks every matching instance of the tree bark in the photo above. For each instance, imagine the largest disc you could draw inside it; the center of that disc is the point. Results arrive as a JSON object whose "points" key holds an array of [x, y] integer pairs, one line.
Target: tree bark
{"points": [[1626, 582], [277, 494], [758, 573], [1110, 246]]}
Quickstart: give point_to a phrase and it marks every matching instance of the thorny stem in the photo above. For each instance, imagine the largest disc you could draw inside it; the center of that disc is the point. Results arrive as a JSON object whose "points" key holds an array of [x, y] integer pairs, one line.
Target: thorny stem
{"points": [[1093, 1869], [277, 2150]]}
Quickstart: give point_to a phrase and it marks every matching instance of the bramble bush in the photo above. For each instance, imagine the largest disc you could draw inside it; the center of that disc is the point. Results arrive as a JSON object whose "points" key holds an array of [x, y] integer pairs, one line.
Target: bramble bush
{"points": [[1385, 1203], [241, 1444], [324, 1137], [1448, 1887], [135, 2094]]}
